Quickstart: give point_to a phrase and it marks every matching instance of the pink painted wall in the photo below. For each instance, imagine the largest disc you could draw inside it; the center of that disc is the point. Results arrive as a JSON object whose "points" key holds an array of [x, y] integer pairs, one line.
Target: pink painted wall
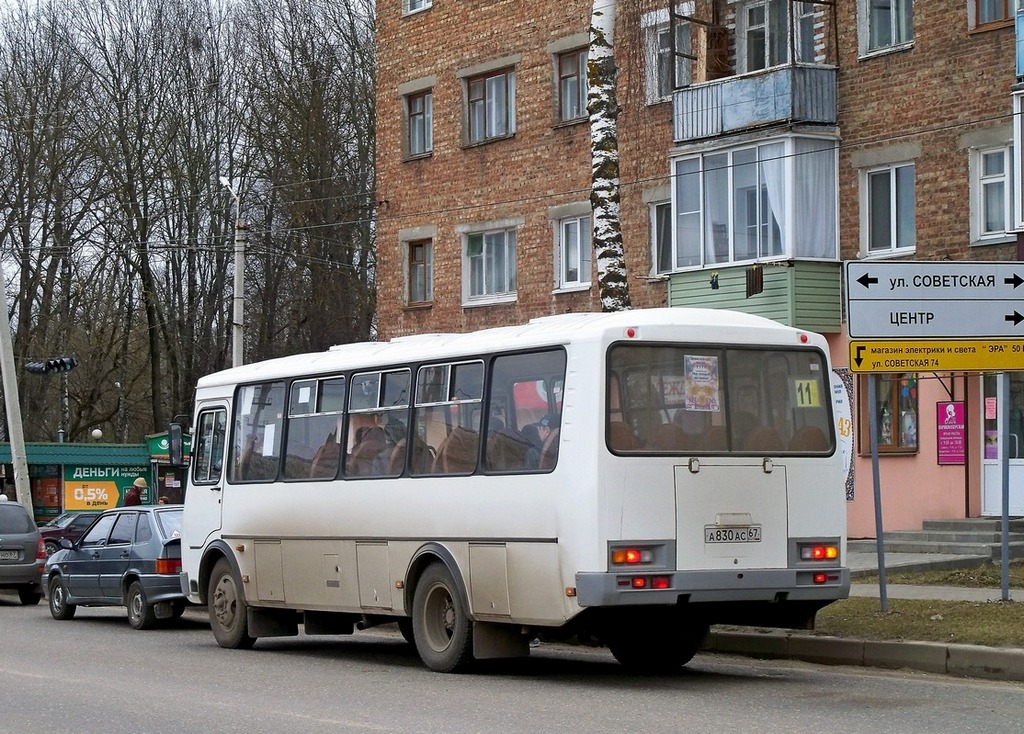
{"points": [[914, 487]]}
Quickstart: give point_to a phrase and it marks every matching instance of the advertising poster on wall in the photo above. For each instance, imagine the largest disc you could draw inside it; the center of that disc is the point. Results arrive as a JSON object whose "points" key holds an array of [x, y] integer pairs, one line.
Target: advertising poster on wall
{"points": [[100, 487], [950, 431]]}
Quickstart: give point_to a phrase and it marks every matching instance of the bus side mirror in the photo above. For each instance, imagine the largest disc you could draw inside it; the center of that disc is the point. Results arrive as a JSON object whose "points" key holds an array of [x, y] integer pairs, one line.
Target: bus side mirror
{"points": [[175, 450]]}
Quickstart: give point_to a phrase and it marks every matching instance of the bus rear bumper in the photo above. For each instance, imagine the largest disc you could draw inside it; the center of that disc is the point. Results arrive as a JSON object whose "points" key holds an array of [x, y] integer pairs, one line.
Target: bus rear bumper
{"points": [[772, 585]]}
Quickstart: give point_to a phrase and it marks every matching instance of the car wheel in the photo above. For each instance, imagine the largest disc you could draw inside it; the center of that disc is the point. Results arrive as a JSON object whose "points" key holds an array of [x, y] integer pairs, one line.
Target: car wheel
{"points": [[60, 608], [442, 630], [29, 597], [228, 609], [140, 614], [51, 547]]}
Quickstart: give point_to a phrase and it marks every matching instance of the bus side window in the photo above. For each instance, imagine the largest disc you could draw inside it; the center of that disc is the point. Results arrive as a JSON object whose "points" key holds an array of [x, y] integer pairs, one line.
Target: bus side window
{"points": [[209, 452]]}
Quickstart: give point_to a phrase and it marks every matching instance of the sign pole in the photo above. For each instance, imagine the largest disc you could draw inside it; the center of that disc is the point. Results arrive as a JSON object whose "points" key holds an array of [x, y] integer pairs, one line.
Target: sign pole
{"points": [[879, 540], [1004, 468]]}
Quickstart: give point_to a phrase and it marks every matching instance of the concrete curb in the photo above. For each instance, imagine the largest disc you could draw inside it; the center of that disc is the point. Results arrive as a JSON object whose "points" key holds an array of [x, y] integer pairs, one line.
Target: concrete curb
{"points": [[967, 661]]}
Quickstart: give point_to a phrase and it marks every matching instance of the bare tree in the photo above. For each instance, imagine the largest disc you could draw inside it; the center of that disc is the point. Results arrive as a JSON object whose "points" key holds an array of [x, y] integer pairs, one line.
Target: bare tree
{"points": [[119, 117]]}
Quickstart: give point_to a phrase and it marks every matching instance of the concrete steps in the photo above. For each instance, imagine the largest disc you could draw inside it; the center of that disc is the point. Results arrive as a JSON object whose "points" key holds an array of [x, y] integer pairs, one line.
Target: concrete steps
{"points": [[976, 538]]}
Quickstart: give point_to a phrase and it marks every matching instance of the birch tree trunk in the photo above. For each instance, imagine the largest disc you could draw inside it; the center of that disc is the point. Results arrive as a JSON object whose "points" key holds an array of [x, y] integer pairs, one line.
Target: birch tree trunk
{"points": [[604, 145]]}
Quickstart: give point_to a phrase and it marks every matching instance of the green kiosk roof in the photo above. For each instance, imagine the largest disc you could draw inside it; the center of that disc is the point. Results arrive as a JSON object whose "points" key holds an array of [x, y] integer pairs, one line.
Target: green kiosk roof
{"points": [[81, 454]]}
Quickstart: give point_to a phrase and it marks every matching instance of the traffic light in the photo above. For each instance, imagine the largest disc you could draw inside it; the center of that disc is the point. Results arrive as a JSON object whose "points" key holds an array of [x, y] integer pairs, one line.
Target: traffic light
{"points": [[60, 364]]}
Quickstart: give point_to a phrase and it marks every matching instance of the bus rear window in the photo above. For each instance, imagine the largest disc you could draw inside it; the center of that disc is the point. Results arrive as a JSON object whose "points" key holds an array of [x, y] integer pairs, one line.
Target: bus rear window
{"points": [[692, 399]]}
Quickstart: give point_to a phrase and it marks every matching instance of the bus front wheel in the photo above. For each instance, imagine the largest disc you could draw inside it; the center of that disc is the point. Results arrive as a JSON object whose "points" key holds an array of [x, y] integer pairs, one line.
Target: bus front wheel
{"points": [[442, 629], [228, 609]]}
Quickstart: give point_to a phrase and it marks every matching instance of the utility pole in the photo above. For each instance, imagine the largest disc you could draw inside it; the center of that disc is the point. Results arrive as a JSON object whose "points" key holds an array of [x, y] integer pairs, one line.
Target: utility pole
{"points": [[238, 310], [15, 431]]}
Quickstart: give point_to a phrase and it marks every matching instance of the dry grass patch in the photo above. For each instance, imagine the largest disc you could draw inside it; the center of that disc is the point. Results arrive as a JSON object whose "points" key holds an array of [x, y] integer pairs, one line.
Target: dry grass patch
{"points": [[997, 624]]}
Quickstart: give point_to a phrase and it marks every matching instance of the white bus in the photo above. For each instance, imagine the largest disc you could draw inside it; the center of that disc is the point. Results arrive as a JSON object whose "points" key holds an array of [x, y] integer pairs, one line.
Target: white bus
{"points": [[627, 478]]}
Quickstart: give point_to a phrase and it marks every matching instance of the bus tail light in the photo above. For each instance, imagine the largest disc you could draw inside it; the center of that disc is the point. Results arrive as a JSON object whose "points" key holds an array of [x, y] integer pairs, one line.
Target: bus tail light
{"points": [[168, 565], [631, 556], [658, 583], [820, 578], [819, 552]]}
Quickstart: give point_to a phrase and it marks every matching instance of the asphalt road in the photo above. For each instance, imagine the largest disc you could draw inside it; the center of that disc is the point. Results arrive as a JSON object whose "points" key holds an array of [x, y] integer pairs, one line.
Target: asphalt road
{"points": [[95, 675]]}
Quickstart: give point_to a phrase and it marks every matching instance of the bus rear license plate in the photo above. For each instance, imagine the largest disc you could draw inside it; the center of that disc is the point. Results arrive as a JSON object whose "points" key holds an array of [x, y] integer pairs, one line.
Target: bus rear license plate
{"points": [[8, 555], [732, 534]]}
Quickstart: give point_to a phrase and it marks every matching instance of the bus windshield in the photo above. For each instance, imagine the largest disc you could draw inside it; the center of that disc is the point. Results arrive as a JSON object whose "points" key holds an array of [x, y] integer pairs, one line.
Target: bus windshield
{"points": [[696, 399]]}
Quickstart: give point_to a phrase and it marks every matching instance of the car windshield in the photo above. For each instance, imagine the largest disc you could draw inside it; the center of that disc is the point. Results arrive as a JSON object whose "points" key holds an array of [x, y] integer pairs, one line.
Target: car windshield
{"points": [[14, 519], [61, 521], [169, 522]]}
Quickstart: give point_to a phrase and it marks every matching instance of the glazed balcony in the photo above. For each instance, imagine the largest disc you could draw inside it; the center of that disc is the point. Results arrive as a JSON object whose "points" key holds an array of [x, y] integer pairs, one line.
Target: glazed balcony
{"points": [[781, 95]]}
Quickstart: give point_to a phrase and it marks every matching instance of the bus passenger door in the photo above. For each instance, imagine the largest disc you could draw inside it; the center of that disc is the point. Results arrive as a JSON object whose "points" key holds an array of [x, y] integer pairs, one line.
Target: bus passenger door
{"points": [[202, 516]]}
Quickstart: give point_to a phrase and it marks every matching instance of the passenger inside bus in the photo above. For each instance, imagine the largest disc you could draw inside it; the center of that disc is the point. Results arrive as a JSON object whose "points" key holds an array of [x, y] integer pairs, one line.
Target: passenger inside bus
{"points": [[326, 458], [548, 429]]}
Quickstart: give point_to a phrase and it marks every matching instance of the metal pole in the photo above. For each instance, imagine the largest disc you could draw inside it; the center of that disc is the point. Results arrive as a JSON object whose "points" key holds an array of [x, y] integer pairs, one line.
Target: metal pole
{"points": [[238, 306], [238, 319], [879, 539], [1004, 467]]}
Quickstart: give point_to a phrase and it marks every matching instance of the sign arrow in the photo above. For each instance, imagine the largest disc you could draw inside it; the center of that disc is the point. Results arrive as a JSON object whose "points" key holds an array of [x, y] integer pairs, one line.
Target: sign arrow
{"points": [[858, 359], [866, 280], [1015, 317], [1015, 281]]}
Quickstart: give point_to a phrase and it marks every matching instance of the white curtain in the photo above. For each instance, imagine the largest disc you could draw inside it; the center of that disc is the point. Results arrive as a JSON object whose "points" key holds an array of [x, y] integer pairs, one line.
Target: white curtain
{"points": [[814, 205], [773, 175]]}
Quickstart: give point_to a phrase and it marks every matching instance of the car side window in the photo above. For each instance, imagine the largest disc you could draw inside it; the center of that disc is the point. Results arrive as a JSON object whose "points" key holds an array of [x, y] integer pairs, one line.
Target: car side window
{"points": [[81, 522], [97, 535], [145, 530], [124, 529]]}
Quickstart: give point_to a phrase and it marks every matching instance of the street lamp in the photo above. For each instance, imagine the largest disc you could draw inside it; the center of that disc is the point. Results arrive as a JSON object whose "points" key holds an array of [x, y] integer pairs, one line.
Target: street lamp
{"points": [[238, 317]]}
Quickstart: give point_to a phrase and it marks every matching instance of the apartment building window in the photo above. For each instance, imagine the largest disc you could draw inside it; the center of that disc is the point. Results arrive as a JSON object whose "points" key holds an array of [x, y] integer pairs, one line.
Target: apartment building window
{"points": [[896, 414], [889, 218], [662, 250], [572, 85], [805, 18], [573, 252], [991, 193], [491, 105], [742, 204], [421, 272], [490, 265], [420, 123], [1017, 212], [990, 11], [765, 34], [412, 6], [885, 24], [666, 70]]}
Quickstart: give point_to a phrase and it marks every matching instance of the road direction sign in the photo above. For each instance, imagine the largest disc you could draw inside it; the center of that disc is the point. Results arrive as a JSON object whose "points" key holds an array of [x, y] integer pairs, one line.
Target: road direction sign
{"points": [[934, 300], [921, 355]]}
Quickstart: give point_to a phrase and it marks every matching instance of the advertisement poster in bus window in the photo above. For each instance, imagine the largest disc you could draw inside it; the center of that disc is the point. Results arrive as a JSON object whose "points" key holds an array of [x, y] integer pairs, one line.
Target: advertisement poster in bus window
{"points": [[701, 374]]}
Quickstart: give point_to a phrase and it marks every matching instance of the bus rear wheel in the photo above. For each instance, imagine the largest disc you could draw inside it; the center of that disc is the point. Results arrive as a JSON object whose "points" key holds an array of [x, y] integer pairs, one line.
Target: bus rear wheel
{"points": [[228, 609], [442, 629], [657, 649]]}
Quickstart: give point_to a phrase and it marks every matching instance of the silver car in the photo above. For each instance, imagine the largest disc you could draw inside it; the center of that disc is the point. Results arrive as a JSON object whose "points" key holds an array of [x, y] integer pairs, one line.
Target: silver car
{"points": [[22, 553], [129, 557]]}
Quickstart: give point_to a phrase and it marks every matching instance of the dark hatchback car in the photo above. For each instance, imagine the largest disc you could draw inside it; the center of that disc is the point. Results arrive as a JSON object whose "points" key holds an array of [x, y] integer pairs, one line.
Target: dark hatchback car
{"points": [[21, 552], [129, 557], [68, 525]]}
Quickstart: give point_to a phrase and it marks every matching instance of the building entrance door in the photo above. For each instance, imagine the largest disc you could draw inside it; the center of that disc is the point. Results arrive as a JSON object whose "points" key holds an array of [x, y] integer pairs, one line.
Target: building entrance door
{"points": [[992, 452]]}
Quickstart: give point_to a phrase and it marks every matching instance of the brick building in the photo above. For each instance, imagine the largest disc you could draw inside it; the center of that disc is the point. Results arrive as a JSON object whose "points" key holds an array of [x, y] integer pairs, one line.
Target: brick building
{"points": [[762, 142]]}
